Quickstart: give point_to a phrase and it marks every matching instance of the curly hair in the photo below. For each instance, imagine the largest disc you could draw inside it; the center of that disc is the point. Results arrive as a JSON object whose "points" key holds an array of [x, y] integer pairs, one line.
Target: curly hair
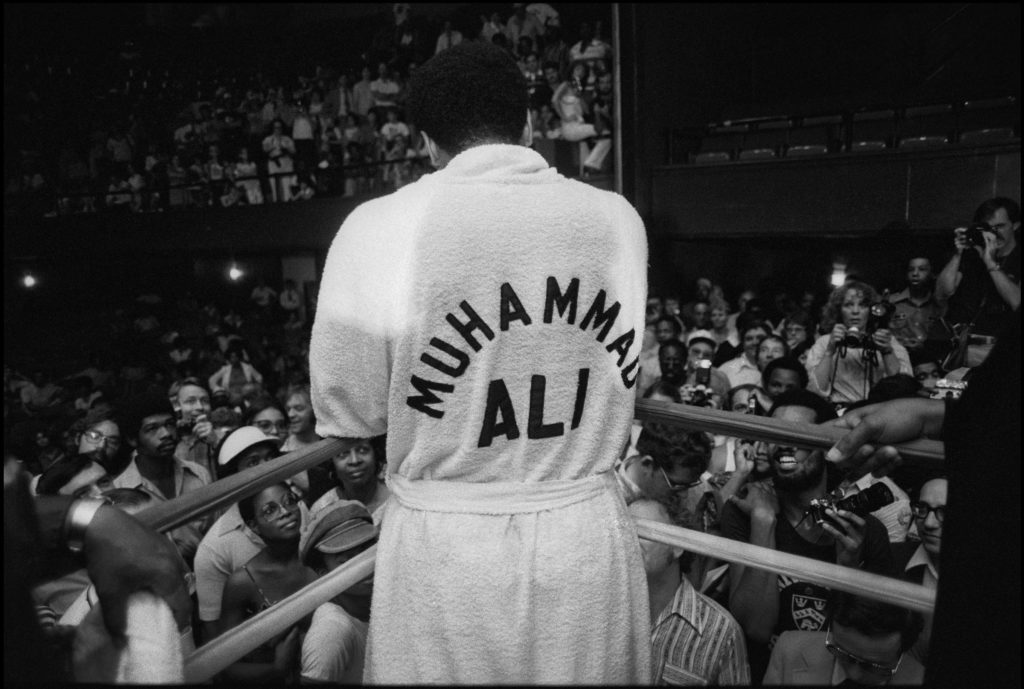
{"points": [[471, 94], [834, 308], [668, 445]]}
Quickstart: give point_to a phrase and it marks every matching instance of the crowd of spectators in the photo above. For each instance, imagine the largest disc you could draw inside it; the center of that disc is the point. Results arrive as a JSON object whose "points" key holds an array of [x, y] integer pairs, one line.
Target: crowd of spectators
{"points": [[160, 134]]}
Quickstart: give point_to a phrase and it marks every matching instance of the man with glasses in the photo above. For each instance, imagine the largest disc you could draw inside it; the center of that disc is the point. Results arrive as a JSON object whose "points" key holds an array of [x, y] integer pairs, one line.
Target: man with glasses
{"points": [[669, 462], [918, 562], [865, 644], [152, 430]]}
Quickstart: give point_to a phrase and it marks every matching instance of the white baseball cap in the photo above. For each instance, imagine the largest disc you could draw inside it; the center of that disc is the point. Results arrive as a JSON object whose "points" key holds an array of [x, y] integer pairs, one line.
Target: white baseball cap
{"points": [[240, 440]]}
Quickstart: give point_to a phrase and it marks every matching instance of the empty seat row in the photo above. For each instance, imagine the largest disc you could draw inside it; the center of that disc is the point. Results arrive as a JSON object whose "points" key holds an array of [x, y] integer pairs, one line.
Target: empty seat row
{"points": [[974, 123]]}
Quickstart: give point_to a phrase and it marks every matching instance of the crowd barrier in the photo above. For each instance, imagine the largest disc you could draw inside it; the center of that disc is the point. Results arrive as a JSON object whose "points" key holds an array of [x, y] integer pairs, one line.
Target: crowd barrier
{"points": [[216, 655]]}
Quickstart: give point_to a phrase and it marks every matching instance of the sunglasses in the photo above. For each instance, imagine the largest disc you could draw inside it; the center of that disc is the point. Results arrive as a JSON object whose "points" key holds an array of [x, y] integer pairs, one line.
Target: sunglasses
{"points": [[876, 669], [679, 486]]}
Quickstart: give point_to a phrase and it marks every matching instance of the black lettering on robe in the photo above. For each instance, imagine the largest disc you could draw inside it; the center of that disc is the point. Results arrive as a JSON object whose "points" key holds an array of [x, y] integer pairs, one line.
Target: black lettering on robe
{"points": [[598, 313], [474, 323], [536, 429], [498, 401], [581, 397], [427, 397], [511, 308], [460, 356], [625, 373], [555, 297], [621, 345]]}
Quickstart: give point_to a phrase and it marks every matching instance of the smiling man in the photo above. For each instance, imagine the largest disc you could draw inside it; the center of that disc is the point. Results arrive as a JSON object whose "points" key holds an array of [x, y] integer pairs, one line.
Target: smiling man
{"points": [[775, 515]]}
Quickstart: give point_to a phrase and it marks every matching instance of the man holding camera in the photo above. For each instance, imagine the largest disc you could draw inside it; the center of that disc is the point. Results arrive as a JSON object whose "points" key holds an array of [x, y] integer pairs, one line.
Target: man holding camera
{"points": [[779, 515], [981, 282]]}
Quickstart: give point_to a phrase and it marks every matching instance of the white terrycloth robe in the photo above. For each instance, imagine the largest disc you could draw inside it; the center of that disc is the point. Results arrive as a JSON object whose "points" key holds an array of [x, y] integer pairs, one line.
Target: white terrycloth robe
{"points": [[489, 318]]}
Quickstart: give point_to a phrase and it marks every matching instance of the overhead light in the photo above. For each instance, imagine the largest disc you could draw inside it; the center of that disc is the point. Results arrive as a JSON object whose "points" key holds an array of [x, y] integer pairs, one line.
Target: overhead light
{"points": [[838, 273], [28, 280], [235, 273]]}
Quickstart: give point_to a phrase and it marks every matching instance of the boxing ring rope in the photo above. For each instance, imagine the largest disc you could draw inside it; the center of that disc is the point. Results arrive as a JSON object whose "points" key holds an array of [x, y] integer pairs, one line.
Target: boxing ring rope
{"points": [[221, 652]]}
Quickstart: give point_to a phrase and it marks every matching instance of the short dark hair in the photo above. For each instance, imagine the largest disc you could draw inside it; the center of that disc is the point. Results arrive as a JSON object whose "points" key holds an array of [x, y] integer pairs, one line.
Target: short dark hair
{"points": [[139, 408], [786, 363], [667, 444], [671, 343], [894, 387], [989, 208], [875, 618], [470, 94], [823, 411]]}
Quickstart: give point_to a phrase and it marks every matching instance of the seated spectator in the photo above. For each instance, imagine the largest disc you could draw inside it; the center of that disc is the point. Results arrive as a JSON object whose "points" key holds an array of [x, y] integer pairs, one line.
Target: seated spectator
{"points": [[798, 329], [385, 89], [229, 543], [703, 385], [335, 646], [246, 176], [152, 430], [918, 561], [101, 437], [771, 348], [866, 644], [358, 474], [842, 368], [290, 299], [721, 331], [196, 438], [270, 576], [280, 150], [775, 515], [927, 370], [743, 369], [266, 414], [917, 311], [571, 105], [694, 640], [782, 375], [235, 374], [666, 328]]}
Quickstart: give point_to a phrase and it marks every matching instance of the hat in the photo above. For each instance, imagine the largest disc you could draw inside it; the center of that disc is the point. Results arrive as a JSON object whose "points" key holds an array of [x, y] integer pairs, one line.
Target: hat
{"points": [[240, 440], [701, 336], [336, 528]]}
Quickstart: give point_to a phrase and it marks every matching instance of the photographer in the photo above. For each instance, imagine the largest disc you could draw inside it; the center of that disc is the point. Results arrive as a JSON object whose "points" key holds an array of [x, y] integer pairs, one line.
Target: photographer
{"points": [[859, 351], [981, 286]]}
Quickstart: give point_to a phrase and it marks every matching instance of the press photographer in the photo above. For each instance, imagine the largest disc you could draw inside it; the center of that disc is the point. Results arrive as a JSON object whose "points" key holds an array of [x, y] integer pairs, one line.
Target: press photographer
{"points": [[981, 283], [859, 350]]}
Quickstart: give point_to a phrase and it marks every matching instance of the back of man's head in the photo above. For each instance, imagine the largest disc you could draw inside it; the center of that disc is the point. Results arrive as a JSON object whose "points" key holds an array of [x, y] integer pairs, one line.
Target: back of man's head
{"points": [[874, 618], [823, 411], [786, 363], [668, 445], [471, 94]]}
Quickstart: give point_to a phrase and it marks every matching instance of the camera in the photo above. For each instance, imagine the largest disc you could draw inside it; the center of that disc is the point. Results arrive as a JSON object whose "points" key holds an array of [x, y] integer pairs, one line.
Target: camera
{"points": [[862, 503], [696, 395], [974, 236], [879, 315]]}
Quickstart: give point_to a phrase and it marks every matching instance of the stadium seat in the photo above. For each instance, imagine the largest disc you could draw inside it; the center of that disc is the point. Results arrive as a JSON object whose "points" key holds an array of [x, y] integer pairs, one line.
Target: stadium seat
{"points": [[872, 130]]}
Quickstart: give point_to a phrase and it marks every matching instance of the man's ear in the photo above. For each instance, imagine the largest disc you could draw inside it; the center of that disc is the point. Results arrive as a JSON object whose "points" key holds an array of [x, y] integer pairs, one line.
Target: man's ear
{"points": [[527, 139], [432, 150]]}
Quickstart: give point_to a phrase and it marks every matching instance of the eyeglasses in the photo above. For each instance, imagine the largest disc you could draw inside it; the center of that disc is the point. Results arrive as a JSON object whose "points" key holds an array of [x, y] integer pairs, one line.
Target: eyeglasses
{"points": [[876, 669], [272, 509], [94, 436], [271, 426], [921, 509], [672, 485]]}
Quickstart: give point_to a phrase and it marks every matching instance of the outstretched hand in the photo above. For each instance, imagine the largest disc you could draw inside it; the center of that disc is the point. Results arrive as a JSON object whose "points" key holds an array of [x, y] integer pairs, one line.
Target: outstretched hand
{"points": [[874, 428]]}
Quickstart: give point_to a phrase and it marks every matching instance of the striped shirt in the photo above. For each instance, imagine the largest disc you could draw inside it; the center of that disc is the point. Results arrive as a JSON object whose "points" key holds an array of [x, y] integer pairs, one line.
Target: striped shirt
{"points": [[696, 642]]}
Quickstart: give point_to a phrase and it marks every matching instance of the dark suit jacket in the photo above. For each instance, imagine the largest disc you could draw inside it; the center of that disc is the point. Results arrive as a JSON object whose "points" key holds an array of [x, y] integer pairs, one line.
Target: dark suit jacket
{"points": [[800, 658]]}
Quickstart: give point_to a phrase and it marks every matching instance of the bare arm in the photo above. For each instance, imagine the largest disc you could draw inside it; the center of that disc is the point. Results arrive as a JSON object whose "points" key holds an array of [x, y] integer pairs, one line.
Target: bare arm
{"points": [[754, 593]]}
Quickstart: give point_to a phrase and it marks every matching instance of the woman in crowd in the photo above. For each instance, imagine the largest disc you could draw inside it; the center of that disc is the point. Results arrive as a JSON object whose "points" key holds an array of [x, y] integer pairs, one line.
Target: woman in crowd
{"points": [[358, 474], [798, 329], [271, 576], [571, 104], [856, 353]]}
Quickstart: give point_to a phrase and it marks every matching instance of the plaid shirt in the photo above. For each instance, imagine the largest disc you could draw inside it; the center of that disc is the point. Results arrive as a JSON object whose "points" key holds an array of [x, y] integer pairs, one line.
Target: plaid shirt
{"points": [[696, 642]]}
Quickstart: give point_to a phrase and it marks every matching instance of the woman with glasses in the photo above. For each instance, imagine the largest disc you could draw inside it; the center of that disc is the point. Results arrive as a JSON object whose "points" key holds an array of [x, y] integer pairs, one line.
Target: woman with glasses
{"points": [[270, 576]]}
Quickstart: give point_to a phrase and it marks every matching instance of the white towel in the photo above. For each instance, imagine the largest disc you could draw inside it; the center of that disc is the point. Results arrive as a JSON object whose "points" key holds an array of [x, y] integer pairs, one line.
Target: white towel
{"points": [[489, 318], [153, 653]]}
